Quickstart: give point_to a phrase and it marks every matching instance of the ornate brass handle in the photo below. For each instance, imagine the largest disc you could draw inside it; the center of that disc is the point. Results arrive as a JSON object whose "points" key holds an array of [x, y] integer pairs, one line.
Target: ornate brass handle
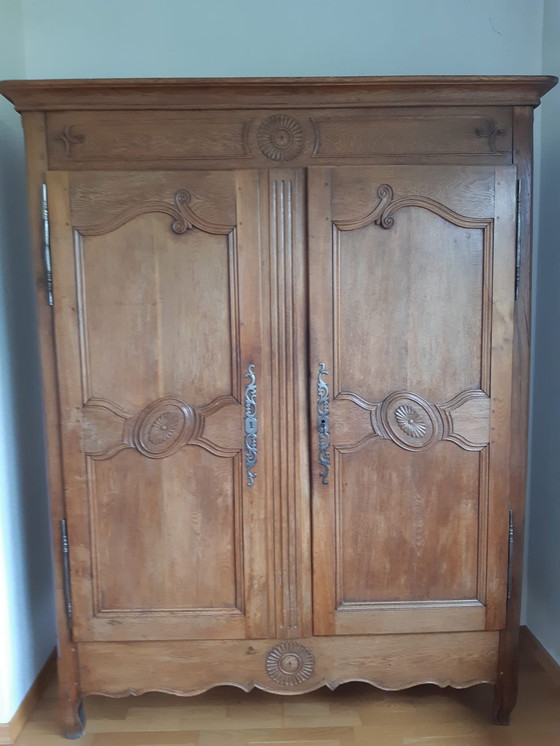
{"points": [[323, 423], [251, 425]]}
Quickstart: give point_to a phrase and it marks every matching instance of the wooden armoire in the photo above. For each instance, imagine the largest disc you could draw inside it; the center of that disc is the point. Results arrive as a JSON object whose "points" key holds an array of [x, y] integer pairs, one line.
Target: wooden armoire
{"points": [[285, 343]]}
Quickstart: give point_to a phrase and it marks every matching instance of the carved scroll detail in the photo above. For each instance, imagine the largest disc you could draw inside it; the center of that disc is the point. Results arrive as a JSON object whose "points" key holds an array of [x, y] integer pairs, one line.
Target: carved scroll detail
{"points": [[184, 217], [251, 425], [159, 430], [382, 213], [415, 424], [385, 194], [323, 423], [491, 131], [68, 138]]}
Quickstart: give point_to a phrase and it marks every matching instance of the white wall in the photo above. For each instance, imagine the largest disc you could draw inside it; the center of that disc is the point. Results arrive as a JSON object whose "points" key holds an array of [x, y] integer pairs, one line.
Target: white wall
{"points": [[136, 38], [543, 559], [26, 599]]}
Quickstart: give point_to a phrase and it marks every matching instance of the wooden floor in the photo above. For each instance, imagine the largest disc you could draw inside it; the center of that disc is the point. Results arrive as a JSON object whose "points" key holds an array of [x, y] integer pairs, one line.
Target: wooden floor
{"points": [[355, 714]]}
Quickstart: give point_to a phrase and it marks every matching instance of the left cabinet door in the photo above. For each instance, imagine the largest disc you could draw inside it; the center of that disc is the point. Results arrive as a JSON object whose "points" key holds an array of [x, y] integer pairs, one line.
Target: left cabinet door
{"points": [[161, 365]]}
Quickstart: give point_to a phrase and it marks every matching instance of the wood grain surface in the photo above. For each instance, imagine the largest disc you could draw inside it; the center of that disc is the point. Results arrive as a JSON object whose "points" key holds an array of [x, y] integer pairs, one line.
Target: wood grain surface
{"points": [[353, 715], [235, 93], [233, 262], [412, 303], [387, 661], [148, 322]]}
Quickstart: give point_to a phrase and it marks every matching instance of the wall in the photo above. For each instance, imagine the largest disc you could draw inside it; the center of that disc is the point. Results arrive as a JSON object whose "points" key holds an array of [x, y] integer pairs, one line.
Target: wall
{"points": [[26, 599], [543, 576], [120, 38]]}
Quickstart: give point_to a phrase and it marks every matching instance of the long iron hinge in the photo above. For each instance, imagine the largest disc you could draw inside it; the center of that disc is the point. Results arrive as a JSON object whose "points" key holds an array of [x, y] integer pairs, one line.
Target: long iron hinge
{"points": [[511, 536], [518, 241], [66, 572], [47, 247]]}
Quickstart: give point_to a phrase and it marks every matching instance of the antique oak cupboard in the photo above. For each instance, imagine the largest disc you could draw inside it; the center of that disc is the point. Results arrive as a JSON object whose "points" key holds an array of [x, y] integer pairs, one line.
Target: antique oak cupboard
{"points": [[285, 339]]}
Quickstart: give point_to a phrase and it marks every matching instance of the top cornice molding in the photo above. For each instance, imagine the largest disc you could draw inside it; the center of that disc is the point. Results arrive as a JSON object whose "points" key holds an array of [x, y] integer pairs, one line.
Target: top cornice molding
{"points": [[275, 93]]}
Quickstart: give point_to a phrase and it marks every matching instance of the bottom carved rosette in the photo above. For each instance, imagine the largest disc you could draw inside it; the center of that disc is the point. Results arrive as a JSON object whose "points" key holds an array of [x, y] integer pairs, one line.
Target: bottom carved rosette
{"points": [[189, 667]]}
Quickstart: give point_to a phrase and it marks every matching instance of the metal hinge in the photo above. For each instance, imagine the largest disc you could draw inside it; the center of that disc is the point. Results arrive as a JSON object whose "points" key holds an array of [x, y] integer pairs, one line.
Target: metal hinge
{"points": [[47, 247], [511, 536], [66, 572], [518, 241]]}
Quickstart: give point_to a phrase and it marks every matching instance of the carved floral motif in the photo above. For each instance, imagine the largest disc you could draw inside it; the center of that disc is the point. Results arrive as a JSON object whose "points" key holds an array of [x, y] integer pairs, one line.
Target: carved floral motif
{"points": [[280, 137], [163, 427], [158, 430], [410, 421], [290, 663], [415, 424]]}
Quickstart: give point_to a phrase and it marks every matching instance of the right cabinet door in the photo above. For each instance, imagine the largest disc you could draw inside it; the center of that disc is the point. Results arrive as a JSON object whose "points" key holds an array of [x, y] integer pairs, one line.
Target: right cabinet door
{"points": [[412, 287]]}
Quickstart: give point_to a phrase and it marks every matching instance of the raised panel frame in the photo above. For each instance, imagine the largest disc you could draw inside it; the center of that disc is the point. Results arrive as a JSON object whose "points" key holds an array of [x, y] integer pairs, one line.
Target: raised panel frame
{"points": [[333, 615], [252, 614], [250, 138], [519, 94]]}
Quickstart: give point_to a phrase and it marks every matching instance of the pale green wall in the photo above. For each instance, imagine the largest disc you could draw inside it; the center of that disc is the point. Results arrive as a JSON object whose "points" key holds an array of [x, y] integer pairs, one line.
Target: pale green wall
{"points": [[543, 558], [26, 596], [121, 38]]}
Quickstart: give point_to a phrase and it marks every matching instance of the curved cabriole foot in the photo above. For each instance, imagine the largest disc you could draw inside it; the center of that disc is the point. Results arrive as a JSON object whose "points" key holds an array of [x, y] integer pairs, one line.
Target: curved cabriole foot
{"points": [[74, 720]]}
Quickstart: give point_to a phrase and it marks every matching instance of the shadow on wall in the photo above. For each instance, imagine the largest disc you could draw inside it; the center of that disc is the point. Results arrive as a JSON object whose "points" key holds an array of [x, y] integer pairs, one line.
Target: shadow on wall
{"points": [[543, 561], [28, 564]]}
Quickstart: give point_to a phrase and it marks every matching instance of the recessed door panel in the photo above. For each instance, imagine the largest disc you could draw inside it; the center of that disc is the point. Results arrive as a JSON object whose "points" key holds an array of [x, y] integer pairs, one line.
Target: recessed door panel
{"points": [[417, 517], [411, 298], [406, 308], [157, 355]]}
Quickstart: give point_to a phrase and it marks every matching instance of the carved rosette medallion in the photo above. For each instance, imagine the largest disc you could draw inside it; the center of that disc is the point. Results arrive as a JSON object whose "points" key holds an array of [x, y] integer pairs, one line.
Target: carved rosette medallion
{"points": [[290, 663], [163, 427], [280, 137], [410, 421]]}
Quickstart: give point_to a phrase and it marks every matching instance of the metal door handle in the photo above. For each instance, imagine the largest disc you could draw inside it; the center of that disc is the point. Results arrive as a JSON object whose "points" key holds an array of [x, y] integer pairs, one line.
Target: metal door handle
{"points": [[251, 425], [323, 423]]}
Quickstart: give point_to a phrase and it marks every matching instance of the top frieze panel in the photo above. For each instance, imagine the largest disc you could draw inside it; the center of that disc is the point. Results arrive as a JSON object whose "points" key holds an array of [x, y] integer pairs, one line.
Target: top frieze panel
{"points": [[275, 93]]}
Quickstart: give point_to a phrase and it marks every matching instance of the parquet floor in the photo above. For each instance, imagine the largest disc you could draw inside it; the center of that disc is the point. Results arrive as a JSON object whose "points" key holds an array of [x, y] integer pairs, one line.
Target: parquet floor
{"points": [[353, 715]]}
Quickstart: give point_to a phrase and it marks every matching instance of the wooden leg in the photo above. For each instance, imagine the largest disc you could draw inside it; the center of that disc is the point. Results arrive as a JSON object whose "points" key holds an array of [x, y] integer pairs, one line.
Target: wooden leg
{"points": [[505, 697], [71, 711], [73, 718], [505, 692]]}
